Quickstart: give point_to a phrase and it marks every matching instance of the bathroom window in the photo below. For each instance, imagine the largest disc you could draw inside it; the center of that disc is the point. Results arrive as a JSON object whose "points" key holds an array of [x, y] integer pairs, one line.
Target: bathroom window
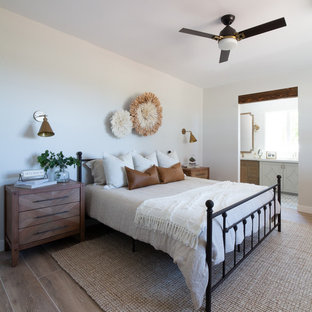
{"points": [[281, 133]]}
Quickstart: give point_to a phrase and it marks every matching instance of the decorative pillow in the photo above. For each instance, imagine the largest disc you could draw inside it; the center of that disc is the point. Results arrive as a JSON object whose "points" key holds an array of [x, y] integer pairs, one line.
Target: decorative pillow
{"points": [[152, 157], [167, 160], [172, 174], [142, 163], [97, 170], [114, 169], [138, 179], [174, 155]]}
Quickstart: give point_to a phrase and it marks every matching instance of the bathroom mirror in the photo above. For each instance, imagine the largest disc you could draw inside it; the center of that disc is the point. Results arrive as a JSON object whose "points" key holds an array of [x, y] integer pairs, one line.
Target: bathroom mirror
{"points": [[246, 132]]}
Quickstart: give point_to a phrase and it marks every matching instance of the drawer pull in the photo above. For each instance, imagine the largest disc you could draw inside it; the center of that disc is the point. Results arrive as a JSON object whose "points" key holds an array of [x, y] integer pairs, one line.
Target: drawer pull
{"points": [[58, 228], [51, 214], [54, 198]]}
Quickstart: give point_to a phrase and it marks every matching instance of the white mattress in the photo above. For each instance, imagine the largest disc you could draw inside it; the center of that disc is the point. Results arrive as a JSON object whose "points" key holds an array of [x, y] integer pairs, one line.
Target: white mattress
{"points": [[117, 207]]}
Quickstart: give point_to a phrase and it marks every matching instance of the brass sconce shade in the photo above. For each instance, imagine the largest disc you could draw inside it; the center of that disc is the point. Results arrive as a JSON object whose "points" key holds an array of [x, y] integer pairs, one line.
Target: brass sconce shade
{"points": [[192, 138], [45, 129]]}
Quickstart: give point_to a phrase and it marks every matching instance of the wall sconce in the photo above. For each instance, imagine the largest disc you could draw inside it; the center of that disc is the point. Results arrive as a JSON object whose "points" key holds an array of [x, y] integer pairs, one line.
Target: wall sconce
{"points": [[45, 129], [192, 138], [256, 127]]}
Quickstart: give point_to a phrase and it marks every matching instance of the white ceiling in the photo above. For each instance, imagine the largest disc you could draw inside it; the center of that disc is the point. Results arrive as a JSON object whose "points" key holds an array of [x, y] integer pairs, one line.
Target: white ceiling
{"points": [[147, 31]]}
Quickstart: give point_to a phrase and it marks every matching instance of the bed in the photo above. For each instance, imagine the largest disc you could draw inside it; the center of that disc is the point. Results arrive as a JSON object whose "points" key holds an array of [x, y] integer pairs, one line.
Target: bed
{"points": [[235, 229]]}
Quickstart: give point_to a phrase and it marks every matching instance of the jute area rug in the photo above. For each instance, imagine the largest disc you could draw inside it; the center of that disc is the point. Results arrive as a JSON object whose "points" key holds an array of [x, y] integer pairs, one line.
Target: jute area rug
{"points": [[276, 277]]}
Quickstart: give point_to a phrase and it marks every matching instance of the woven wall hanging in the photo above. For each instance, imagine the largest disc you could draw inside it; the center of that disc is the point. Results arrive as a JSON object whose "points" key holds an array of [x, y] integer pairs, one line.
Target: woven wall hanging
{"points": [[121, 123], [146, 113]]}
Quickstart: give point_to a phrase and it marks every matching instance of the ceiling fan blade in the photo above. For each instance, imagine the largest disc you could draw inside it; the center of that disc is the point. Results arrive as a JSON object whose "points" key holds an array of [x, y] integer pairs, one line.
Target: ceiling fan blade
{"points": [[224, 56], [197, 33], [260, 29]]}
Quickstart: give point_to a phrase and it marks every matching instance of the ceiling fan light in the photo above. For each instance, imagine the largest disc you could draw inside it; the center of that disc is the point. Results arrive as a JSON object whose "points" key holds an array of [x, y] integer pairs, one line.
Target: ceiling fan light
{"points": [[227, 43]]}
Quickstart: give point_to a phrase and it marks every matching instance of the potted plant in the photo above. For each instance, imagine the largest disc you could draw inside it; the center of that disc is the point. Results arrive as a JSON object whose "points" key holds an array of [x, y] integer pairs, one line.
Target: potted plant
{"points": [[50, 160]]}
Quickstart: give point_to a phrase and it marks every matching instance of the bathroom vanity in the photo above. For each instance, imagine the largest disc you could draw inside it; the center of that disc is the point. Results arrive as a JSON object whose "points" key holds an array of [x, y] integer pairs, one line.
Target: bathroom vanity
{"points": [[264, 172]]}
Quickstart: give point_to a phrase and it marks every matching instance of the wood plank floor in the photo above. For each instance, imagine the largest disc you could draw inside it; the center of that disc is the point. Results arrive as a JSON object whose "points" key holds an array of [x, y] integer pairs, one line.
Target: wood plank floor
{"points": [[38, 283]]}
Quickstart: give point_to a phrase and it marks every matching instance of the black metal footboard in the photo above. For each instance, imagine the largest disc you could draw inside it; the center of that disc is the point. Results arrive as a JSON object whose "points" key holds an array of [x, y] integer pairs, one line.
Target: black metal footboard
{"points": [[271, 220]]}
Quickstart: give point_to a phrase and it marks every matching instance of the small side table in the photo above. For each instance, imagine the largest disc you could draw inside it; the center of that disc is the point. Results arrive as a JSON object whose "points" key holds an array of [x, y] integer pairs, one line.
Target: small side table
{"points": [[198, 172], [37, 216]]}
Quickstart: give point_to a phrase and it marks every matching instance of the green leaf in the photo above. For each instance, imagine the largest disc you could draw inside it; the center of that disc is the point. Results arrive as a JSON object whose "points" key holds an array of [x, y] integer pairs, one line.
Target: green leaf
{"points": [[50, 160]]}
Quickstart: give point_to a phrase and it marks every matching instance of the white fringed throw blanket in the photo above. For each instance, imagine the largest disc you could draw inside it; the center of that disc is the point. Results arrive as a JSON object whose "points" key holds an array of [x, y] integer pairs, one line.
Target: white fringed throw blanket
{"points": [[183, 216]]}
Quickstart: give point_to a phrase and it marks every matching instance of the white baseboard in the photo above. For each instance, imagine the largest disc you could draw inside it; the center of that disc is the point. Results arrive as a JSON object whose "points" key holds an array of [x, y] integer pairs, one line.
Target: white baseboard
{"points": [[1, 244], [305, 209]]}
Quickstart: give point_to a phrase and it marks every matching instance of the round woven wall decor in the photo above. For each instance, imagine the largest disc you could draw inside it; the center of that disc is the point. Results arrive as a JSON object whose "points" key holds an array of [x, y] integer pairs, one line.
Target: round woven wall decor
{"points": [[121, 123], [146, 113]]}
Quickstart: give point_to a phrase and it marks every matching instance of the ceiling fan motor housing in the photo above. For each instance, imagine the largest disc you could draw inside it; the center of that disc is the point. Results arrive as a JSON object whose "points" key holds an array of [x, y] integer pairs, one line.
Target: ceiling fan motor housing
{"points": [[229, 41], [227, 19], [228, 31]]}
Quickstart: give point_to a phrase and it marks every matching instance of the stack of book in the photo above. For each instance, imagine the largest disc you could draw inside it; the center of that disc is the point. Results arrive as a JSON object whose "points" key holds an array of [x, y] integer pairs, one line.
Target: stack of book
{"points": [[31, 184]]}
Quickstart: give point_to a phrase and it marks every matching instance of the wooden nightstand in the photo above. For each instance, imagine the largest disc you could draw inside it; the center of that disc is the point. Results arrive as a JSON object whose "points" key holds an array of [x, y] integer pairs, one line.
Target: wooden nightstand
{"points": [[198, 172], [41, 215]]}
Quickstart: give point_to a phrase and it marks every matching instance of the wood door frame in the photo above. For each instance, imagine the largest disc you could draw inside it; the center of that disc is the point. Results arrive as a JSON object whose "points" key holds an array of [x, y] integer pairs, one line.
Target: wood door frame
{"points": [[268, 95]]}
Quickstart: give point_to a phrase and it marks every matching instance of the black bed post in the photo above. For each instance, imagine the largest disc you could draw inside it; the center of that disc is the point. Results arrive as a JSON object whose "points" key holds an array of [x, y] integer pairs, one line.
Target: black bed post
{"points": [[79, 167], [209, 205], [279, 188]]}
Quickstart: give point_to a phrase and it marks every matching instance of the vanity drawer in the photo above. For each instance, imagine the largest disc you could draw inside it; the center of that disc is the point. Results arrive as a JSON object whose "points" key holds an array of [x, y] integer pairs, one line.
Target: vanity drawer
{"points": [[49, 214], [253, 172], [249, 171], [46, 199], [42, 231]]}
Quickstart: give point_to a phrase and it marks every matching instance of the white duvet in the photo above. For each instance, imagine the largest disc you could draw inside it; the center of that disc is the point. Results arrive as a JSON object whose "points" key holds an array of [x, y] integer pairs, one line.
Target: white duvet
{"points": [[183, 216], [117, 208]]}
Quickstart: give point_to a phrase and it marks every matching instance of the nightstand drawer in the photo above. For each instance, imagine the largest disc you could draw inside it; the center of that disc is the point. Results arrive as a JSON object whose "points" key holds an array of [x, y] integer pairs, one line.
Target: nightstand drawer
{"points": [[197, 172], [46, 199], [42, 231], [200, 174], [49, 214]]}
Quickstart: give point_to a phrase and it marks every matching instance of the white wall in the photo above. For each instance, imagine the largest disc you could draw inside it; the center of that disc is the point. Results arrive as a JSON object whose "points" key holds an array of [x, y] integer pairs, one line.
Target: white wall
{"points": [[221, 133], [79, 85], [259, 109]]}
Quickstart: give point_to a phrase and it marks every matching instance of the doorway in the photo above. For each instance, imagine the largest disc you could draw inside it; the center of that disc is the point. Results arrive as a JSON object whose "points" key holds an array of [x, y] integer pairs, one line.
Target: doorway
{"points": [[271, 144]]}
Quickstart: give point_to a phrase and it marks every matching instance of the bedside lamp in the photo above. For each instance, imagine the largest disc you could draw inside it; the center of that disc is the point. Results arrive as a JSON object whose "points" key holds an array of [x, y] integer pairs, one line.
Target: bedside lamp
{"points": [[192, 138], [45, 129]]}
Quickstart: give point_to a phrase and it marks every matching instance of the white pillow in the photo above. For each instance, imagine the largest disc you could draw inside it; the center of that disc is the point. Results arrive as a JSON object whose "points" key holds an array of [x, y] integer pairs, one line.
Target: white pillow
{"points": [[167, 160], [114, 169], [153, 158], [97, 170], [142, 163]]}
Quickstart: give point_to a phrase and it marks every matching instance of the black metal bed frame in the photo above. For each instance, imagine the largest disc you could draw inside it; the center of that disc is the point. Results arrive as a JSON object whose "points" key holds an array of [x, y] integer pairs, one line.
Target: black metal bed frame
{"points": [[270, 223]]}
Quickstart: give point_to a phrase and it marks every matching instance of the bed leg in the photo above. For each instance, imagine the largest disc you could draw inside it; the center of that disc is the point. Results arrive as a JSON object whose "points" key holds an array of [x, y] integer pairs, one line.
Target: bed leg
{"points": [[239, 248], [279, 220], [279, 216], [209, 205], [133, 245]]}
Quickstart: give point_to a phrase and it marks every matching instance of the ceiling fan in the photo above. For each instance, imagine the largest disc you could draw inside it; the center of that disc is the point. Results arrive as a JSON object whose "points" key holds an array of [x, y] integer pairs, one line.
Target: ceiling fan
{"points": [[228, 37]]}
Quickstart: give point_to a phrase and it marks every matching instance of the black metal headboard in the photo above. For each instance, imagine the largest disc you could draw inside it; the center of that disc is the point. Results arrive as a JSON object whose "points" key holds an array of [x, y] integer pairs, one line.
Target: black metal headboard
{"points": [[79, 167]]}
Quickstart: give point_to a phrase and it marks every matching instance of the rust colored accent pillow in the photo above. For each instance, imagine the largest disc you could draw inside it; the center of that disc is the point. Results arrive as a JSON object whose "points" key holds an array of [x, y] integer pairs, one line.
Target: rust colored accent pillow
{"points": [[138, 179], [172, 174]]}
